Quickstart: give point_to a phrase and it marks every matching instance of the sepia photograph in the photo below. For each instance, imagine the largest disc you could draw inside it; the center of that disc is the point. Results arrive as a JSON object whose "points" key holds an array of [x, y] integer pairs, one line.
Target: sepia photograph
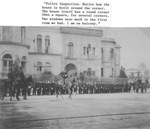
{"points": [[74, 77], [74, 64]]}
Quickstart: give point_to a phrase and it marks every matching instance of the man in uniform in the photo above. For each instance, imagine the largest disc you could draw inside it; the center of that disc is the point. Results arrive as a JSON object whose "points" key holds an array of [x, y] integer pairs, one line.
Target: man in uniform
{"points": [[65, 76]]}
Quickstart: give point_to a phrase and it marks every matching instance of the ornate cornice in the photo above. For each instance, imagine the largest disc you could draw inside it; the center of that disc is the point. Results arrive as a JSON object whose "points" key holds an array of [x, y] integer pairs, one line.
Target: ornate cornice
{"points": [[81, 31], [14, 44]]}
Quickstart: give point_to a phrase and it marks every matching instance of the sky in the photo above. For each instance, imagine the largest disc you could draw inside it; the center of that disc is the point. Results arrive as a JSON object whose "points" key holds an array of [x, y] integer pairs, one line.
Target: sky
{"points": [[135, 43]]}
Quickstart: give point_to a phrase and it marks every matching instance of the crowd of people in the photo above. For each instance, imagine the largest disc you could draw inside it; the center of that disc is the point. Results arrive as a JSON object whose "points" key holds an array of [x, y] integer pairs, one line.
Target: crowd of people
{"points": [[78, 87], [42, 88]]}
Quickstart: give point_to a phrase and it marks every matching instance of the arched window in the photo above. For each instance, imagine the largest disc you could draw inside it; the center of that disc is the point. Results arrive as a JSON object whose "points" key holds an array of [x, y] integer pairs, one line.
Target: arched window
{"points": [[7, 62], [47, 64], [23, 63], [112, 53], [39, 43], [47, 68], [102, 54], [39, 66], [47, 43], [70, 49], [88, 50], [89, 47]]}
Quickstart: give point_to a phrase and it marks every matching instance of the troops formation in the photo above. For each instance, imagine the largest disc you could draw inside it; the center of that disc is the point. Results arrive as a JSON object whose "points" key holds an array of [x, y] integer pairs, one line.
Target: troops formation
{"points": [[50, 88]]}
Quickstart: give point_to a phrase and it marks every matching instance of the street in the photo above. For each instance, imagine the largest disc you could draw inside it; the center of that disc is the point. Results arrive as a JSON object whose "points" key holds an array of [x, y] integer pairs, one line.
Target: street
{"points": [[91, 111]]}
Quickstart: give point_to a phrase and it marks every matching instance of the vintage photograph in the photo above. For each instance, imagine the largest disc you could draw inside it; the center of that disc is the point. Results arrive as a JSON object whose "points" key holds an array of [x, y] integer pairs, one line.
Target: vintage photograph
{"points": [[74, 77]]}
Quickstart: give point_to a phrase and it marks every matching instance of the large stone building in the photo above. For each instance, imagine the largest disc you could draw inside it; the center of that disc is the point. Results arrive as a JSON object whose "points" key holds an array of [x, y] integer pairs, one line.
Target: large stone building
{"points": [[54, 49]]}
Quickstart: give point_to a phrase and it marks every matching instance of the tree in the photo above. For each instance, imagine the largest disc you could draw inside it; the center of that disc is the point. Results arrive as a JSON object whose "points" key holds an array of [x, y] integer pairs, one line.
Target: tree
{"points": [[14, 71]]}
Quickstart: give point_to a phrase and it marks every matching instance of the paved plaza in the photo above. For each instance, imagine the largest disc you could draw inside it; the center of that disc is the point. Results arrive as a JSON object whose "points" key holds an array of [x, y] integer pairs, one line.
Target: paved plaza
{"points": [[91, 111]]}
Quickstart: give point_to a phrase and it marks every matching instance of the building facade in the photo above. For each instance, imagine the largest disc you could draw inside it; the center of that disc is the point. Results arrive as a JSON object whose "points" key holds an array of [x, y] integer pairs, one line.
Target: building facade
{"points": [[53, 49], [110, 58]]}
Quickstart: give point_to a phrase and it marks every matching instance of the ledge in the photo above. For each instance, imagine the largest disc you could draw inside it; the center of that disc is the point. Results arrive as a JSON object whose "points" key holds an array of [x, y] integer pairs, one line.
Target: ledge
{"points": [[81, 31], [70, 58], [91, 58], [117, 46], [108, 40], [38, 53], [13, 44]]}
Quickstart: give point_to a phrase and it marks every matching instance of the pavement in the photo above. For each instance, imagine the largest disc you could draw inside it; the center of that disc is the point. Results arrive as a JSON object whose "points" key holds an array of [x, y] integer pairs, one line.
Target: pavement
{"points": [[83, 111]]}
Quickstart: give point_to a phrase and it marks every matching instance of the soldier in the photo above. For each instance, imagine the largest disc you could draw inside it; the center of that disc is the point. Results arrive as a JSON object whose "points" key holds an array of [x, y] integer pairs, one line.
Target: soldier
{"points": [[65, 76], [59, 89], [146, 85], [34, 88], [2, 89], [136, 87]]}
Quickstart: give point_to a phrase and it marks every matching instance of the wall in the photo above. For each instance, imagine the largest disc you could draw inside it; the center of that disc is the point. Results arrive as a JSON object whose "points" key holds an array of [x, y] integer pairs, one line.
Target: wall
{"points": [[81, 61], [108, 63], [55, 38]]}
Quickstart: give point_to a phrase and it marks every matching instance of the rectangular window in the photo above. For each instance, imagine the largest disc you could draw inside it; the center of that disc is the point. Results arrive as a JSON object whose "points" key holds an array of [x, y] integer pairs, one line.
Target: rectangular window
{"points": [[5, 63], [102, 72], [10, 63], [94, 51], [39, 68], [47, 44], [84, 50], [39, 45], [5, 33], [23, 35], [112, 72], [70, 51]]}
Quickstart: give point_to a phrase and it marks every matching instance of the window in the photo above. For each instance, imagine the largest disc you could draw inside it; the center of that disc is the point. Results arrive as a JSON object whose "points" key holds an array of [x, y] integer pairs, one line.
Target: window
{"points": [[5, 32], [39, 66], [102, 72], [94, 51], [7, 62], [39, 43], [112, 72], [88, 50], [47, 64], [84, 50], [102, 54], [70, 49], [47, 44], [112, 53], [23, 34]]}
